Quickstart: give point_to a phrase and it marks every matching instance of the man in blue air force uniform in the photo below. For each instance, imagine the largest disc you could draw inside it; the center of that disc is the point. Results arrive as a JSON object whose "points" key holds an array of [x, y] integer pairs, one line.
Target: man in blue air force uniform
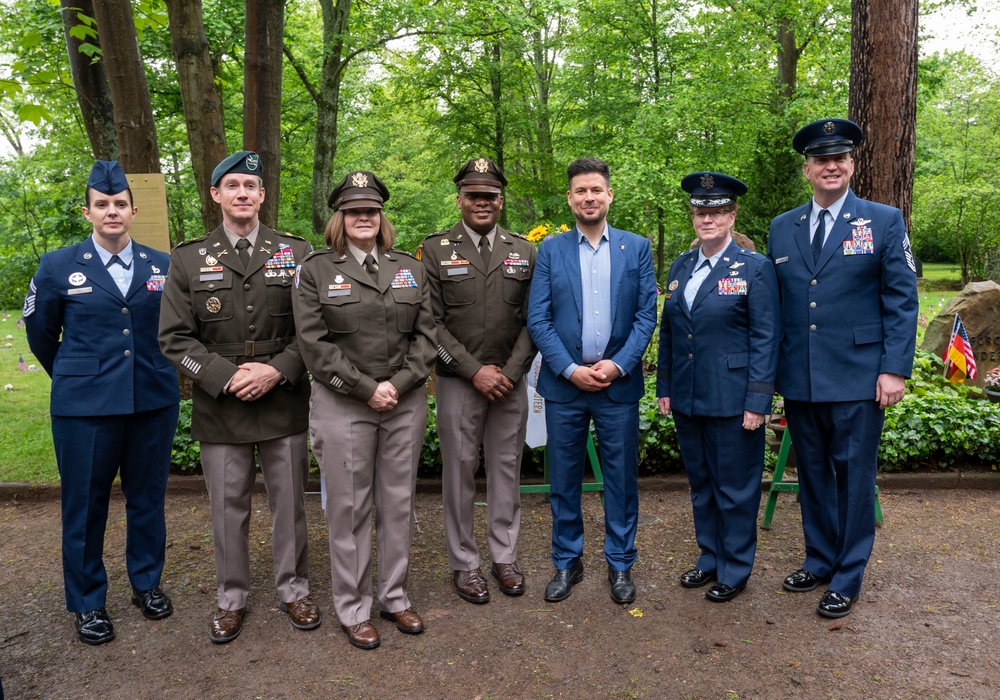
{"points": [[114, 399], [849, 313]]}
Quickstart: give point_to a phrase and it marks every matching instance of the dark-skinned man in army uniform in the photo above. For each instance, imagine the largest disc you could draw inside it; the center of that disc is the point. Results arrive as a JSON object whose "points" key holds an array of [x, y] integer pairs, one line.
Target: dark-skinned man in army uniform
{"points": [[226, 323], [479, 276]]}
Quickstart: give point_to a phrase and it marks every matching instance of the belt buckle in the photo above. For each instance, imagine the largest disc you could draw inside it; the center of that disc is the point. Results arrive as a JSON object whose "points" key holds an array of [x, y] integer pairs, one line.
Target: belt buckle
{"points": [[248, 349]]}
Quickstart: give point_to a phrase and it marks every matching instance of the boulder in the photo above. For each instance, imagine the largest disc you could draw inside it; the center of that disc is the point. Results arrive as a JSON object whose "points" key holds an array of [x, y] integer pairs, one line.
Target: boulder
{"points": [[979, 306]]}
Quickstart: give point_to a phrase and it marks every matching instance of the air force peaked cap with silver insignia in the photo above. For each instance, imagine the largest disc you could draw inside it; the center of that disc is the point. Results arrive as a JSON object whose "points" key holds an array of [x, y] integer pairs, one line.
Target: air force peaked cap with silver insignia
{"points": [[481, 175], [246, 162], [360, 189], [107, 177], [712, 189], [828, 137]]}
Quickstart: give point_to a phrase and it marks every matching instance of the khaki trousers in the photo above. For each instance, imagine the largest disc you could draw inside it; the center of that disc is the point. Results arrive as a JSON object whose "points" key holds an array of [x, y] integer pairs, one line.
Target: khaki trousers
{"points": [[368, 459], [465, 420], [229, 474]]}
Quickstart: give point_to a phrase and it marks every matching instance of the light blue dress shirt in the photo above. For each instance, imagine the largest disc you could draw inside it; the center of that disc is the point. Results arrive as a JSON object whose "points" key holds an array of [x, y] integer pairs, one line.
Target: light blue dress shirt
{"points": [[121, 276]]}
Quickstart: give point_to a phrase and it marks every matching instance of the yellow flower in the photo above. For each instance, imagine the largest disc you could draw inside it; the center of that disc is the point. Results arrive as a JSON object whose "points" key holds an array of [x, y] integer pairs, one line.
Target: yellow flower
{"points": [[563, 228], [539, 232]]}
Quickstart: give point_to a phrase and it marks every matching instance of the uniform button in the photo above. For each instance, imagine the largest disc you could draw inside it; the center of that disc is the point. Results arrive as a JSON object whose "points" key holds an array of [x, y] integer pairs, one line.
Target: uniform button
{"points": [[250, 308], [813, 283], [812, 305], [247, 287], [126, 332], [812, 327], [124, 312], [128, 353], [690, 337], [253, 328], [690, 356], [211, 285]]}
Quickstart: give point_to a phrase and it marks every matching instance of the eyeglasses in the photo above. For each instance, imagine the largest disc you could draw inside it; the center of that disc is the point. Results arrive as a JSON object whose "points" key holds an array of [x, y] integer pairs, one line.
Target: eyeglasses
{"points": [[717, 215]]}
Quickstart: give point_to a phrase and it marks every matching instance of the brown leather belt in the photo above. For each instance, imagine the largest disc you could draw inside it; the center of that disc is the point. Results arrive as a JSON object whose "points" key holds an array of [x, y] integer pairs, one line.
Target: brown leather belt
{"points": [[250, 348]]}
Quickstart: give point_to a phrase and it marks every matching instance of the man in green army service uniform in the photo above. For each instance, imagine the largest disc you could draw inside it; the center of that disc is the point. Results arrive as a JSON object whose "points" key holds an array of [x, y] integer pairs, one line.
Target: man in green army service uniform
{"points": [[479, 275], [226, 323]]}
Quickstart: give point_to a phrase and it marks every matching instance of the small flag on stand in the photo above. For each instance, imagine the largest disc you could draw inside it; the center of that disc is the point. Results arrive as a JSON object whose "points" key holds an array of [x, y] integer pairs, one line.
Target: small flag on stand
{"points": [[21, 366], [959, 360]]}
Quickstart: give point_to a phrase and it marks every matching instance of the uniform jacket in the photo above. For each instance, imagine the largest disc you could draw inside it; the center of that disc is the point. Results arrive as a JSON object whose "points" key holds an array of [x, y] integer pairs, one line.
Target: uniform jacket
{"points": [[107, 361], [481, 314], [555, 314], [851, 316], [354, 333], [215, 317], [718, 358]]}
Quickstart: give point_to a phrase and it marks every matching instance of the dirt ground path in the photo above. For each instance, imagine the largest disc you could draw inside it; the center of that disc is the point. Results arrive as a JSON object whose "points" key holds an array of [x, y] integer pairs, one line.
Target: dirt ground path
{"points": [[927, 624]]}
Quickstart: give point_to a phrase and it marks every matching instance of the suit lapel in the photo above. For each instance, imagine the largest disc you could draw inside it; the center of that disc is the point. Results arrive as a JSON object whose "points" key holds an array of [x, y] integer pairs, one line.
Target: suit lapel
{"points": [[720, 270], [502, 247], [218, 247], [141, 269], [571, 259], [617, 255], [840, 231], [462, 244], [802, 235], [94, 269], [388, 265], [684, 276]]}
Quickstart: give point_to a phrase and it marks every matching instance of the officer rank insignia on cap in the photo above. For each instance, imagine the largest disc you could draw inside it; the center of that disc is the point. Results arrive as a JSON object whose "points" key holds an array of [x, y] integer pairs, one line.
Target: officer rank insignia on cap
{"points": [[482, 165], [707, 181], [359, 180], [253, 161]]}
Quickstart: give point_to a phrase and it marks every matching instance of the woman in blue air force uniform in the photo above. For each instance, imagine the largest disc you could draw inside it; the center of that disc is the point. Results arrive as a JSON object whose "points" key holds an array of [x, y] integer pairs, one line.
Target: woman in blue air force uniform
{"points": [[91, 316], [717, 361]]}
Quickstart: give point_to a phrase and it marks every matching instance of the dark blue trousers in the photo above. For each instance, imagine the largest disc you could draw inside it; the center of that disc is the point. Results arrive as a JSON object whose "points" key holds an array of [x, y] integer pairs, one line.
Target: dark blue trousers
{"points": [[90, 451], [724, 464], [836, 448], [617, 426]]}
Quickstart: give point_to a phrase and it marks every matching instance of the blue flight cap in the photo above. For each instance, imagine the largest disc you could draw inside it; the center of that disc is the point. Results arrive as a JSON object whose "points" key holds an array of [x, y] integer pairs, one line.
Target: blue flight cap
{"points": [[712, 189], [828, 137], [241, 162], [107, 177]]}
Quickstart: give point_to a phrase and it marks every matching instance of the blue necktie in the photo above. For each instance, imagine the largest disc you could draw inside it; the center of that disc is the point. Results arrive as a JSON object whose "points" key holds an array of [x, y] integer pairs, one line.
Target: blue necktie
{"points": [[820, 236]]}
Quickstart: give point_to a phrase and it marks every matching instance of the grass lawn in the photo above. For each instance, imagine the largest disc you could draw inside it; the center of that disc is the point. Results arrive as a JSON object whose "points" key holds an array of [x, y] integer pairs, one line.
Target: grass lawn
{"points": [[25, 429], [942, 272]]}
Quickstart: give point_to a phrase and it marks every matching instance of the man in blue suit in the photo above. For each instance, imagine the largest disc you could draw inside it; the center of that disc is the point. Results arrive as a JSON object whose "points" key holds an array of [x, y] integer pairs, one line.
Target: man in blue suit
{"points": [[92, 315], [592, 313], [848, 294]]}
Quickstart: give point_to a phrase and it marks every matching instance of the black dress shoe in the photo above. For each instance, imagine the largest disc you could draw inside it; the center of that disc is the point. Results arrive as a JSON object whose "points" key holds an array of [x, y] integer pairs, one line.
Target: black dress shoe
{"points": [[562, 583], [802, 581], [622, 588], [94, 627], [696, 578], [835, 605], [720, 592], [154, 603]]}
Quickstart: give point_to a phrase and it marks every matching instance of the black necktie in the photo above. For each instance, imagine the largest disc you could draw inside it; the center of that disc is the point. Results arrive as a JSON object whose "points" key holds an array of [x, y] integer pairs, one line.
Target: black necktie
{"points": [[820, 235], [484, 250], [243, 251], [115, 259], [370, 267]]}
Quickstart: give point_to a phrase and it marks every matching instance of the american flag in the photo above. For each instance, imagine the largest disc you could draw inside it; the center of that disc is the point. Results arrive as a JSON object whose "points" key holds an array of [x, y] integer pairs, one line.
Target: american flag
{"points": [[959, 360], [20, 323], [21, 366]]}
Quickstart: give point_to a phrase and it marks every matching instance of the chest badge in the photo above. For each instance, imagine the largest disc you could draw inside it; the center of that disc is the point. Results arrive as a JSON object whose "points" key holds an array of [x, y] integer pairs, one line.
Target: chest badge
{"points": [[213, 305], [77, 278]]}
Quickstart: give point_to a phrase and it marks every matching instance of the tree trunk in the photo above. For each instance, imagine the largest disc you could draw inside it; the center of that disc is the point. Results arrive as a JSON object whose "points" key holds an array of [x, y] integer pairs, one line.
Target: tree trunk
{"points": [[497, 98], [265, 23], [137, 147], [335, 29], [202, 112], [883, 99], [546, 158], [91, 83]]}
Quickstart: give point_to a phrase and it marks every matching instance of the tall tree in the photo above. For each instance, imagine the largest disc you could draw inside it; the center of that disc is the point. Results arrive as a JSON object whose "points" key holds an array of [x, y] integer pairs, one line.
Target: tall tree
{"points": [[202, 107], [137, 145], [265, 22], [89, 77], [883, 99]]}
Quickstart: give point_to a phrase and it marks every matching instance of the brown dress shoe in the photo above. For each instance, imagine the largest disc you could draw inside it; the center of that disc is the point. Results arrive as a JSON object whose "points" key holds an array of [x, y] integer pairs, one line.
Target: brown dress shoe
{"points": [[471, 586], [510, 578], [226, 625], [407, 621], [362, 635], [303, 614]]}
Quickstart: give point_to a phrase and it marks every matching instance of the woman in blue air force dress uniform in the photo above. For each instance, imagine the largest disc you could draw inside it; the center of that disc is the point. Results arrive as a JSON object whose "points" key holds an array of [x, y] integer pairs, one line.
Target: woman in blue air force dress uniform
{"points": [[717, 361]]}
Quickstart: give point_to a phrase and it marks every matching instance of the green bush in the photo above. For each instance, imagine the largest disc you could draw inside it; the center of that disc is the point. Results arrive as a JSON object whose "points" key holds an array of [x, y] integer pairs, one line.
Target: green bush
{"points": [[186, 455], [939, 431]]}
